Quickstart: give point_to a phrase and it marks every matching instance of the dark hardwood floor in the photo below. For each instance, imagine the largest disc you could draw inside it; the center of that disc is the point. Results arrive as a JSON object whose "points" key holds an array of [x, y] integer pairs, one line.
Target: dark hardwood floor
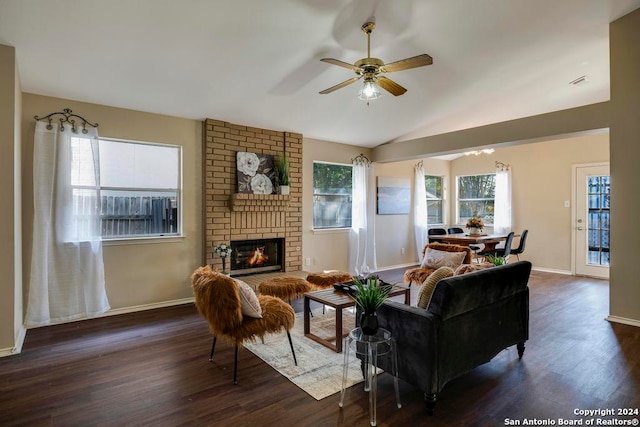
{"points": [[151, 368]]}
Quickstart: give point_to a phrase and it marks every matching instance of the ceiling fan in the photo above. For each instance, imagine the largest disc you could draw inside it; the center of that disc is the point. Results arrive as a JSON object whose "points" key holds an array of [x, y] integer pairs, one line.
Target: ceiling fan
{"points": [[371, 68]]}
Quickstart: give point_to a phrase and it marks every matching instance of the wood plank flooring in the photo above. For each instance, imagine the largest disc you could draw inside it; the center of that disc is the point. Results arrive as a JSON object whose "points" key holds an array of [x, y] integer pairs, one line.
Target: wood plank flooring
{"points": [[151, 368]]}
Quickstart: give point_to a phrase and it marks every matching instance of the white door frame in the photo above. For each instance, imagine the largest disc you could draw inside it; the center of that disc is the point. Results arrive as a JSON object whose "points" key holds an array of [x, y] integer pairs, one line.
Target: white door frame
{"points": [[574, 191]]}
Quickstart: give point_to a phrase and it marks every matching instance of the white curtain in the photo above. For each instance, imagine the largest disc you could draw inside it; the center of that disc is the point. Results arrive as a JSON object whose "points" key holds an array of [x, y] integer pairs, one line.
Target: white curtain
{"points": [[362, 244], [502, 206], [67, 270], [419, 210]]}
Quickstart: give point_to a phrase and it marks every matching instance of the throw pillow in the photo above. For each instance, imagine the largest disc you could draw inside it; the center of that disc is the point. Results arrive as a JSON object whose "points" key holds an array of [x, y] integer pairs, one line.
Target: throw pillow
{"points": [[470, 268], [249, 300], [429, 285], [434, 258]]}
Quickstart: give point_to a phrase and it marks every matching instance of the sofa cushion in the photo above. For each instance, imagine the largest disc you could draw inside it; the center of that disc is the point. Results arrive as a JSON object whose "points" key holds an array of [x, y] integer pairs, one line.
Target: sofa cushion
{"points": [[248, 300], [470, 268], [456, 295], [424, 295], [434, 258]]}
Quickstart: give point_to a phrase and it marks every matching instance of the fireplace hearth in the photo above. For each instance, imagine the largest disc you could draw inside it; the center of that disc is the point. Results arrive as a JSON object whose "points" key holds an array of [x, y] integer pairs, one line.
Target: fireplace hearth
{"points": [[256, 256]]}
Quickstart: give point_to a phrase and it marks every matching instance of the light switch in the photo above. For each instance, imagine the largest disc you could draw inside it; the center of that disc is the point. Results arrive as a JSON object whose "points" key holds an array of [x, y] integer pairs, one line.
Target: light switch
{"points": [[567, 204]]}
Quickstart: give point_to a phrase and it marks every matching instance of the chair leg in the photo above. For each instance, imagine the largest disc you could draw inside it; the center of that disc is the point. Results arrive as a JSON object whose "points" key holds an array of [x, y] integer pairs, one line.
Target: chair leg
{"points": [[430, 402], [235, 367], [518, 256], [520, 348], [213, 347], [292, 350]]}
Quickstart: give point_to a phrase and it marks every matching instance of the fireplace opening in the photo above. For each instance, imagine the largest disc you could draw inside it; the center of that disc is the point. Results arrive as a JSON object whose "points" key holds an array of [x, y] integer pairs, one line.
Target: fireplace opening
{"points": [[256, 256]]}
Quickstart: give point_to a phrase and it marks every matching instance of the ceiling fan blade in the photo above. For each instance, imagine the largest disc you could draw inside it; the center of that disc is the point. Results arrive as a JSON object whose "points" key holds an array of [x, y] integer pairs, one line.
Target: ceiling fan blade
{"points": [[390, 86], [405, 64], [341, 64], [340, 85]]}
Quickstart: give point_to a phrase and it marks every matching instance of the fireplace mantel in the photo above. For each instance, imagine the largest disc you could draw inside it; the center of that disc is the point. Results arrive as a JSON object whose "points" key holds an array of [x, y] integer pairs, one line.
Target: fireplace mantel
{"points": [[245, 202]]}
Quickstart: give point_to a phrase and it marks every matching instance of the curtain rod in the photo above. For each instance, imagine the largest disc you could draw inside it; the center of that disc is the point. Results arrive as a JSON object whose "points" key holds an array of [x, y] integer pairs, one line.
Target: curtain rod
{"points": [[68, 118], [361, 160]]}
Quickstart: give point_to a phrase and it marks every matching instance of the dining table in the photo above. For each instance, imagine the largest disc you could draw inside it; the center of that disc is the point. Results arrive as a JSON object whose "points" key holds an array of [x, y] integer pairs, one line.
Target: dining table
{"points": [[489, 240]]}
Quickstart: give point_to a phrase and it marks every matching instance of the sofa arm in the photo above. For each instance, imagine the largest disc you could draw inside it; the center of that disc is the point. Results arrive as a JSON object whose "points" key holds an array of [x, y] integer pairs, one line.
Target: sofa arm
{"points": [[415, 332]]}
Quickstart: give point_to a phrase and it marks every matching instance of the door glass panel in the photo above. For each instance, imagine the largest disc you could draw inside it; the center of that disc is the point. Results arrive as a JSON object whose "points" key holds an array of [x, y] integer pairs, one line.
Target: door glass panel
{"points": [[599, 188]]}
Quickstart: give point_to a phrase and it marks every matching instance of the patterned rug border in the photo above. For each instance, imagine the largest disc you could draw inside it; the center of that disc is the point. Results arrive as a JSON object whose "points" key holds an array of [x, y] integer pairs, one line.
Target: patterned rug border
{"points": [[320, 370]]}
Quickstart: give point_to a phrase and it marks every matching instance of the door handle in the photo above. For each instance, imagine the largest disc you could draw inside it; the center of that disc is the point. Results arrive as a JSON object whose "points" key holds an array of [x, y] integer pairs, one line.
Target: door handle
{"points": [[579, 228]]}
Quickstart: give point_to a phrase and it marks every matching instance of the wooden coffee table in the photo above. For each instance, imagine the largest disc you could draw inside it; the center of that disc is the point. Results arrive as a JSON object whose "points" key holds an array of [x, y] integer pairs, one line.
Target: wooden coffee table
{"points": [[339, 300]]}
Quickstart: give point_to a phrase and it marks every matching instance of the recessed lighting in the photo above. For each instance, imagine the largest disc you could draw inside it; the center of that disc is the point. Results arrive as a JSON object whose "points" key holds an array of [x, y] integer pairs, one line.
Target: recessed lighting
{"points": [[478, 152]]}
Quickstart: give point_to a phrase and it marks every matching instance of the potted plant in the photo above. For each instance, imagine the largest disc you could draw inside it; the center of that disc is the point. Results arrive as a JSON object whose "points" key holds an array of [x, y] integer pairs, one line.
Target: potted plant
{"points": [[281, 166], [497, 260], [369, 295]]}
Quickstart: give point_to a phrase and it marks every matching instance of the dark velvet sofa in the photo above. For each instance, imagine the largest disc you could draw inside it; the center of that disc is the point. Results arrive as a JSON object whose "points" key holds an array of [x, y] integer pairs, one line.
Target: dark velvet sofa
{"points": [[470, 319]]}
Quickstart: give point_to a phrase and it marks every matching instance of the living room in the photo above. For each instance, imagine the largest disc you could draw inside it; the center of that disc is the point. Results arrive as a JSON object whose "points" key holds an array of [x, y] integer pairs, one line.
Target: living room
{"points": [[153, 274]]}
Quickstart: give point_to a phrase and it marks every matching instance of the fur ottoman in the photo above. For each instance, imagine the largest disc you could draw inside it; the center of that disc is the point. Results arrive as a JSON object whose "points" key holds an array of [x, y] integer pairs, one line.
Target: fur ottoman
{"points": [[326, 280], [285, 288]]}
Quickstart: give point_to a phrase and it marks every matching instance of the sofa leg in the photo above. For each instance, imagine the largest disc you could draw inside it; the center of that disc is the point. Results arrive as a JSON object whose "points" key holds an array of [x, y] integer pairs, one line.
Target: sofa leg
{"points": [[520, 347], [430, 402]]}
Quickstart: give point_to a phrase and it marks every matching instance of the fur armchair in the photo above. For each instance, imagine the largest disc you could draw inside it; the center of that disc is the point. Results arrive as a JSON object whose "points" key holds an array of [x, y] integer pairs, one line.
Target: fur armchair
{"points": [[217, 299], [419, 274]]}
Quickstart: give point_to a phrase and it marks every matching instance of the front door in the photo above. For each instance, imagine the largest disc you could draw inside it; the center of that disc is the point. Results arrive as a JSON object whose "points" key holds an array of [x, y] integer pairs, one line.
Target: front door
{"points": [[592, 201]]}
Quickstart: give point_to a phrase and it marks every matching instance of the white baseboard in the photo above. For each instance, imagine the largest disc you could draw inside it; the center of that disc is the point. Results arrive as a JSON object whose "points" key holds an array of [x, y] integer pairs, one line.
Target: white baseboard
{"points": [[17, 348], [392, 267], [4, 352], [144, 307], [623, 320], [551, 270]]}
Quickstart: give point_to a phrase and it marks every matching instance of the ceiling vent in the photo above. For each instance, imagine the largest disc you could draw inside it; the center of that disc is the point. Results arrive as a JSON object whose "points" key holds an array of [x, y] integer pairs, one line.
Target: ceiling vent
{"points": [[582, 80]]}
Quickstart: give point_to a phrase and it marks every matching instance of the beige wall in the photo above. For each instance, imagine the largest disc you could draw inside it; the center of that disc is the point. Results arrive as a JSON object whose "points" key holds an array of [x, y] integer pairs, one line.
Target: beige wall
{"points": [[625, 170], [9, 216], [327, 250], [151, 272], [541, 180], [394, 232]]}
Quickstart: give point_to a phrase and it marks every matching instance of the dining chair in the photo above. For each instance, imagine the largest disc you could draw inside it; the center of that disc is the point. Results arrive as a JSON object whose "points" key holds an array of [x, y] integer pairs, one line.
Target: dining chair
{"points": [[436, 232], [520, 249], [506, 251]]}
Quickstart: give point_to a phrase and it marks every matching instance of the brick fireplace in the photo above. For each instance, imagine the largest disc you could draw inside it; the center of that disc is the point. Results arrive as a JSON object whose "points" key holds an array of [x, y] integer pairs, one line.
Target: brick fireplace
{"points": [[231, 216]]}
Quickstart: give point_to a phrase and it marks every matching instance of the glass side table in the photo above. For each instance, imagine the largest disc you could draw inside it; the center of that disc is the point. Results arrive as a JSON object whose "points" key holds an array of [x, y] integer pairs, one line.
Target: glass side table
{"points": [[371, 347]]}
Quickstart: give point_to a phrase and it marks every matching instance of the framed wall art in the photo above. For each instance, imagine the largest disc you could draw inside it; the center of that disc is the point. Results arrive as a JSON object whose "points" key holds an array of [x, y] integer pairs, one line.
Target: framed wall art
{"points": [[394, 196], [255, 174]]}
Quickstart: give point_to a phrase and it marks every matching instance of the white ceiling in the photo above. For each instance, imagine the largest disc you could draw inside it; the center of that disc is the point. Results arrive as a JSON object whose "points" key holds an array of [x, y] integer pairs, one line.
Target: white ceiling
{"points": [[256, 62]]}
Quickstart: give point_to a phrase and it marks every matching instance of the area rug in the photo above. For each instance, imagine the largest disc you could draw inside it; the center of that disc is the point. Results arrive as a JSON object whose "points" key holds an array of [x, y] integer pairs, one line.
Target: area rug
{"points": [[319, 370]]}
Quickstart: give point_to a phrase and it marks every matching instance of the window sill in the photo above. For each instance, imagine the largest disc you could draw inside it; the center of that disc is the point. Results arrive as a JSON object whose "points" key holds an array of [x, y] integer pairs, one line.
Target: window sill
{"points": [[143, 240], [330, 230]]}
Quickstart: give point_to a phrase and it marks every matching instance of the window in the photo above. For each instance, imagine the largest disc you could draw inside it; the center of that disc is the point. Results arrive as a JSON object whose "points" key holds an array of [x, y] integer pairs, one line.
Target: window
{"points": [[138, 188], [331, 195], [435, 190], [476, 193]]}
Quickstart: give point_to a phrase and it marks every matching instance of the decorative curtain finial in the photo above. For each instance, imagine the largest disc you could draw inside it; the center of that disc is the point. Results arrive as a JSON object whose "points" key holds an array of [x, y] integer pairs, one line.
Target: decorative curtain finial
{"points": [[502, 166], [67, 118]]}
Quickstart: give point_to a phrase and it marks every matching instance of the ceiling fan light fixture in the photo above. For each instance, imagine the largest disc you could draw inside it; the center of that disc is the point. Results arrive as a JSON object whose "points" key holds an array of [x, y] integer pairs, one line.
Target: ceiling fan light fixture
{"points": [[369, 91]]}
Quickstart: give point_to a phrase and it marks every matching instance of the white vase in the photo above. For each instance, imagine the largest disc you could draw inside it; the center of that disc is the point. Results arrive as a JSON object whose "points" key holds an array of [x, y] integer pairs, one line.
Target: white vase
{"points": [[473, 231]]}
